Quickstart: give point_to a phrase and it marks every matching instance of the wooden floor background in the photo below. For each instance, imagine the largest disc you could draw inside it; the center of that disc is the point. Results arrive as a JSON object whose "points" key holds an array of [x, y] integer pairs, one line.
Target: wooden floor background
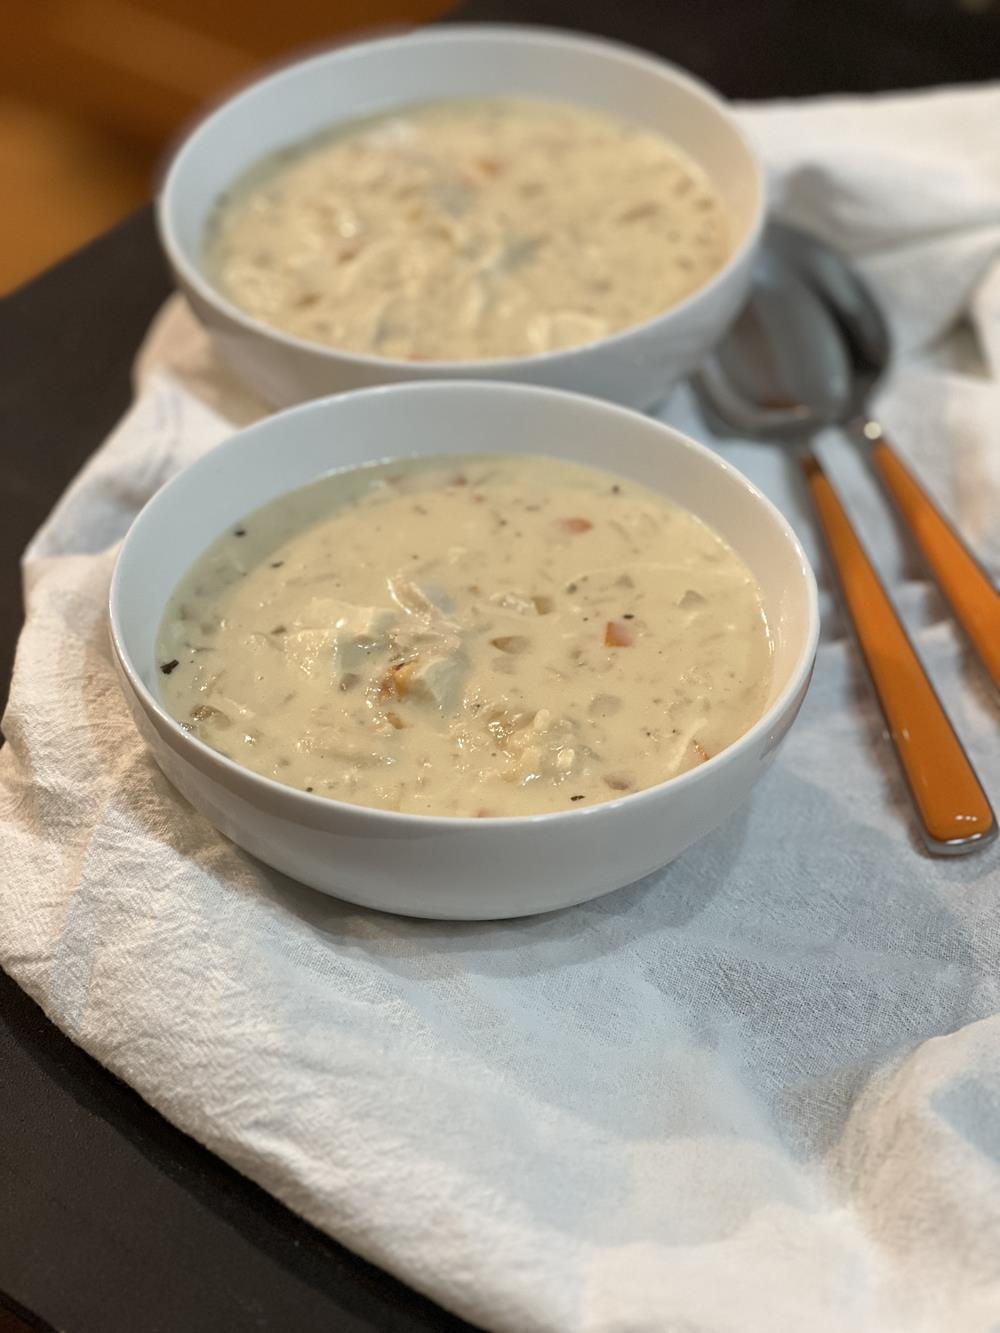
{"points": [[95, 92]]}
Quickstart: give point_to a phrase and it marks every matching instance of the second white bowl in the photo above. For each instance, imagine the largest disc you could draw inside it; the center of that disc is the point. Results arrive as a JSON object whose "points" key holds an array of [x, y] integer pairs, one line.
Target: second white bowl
{"points": [[637, 367]]}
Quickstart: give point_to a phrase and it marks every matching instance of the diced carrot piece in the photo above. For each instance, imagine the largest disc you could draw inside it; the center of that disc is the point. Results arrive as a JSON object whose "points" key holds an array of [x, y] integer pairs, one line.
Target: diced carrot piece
{"points": [[618, 634], [575, 524]]}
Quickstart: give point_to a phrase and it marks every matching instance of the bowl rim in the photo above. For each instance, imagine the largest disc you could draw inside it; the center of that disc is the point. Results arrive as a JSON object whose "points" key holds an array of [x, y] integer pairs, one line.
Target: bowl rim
{"points": [[192, 275], [234, 775]]}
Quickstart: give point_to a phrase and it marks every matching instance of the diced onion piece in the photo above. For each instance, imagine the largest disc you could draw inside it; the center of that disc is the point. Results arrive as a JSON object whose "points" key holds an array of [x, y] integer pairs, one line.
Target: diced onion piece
{"points": [[511, 643]]}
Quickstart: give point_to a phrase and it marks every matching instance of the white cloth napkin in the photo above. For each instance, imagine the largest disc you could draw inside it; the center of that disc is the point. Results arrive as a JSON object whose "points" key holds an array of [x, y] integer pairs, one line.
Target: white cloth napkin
{"points": [[759, 1090]]}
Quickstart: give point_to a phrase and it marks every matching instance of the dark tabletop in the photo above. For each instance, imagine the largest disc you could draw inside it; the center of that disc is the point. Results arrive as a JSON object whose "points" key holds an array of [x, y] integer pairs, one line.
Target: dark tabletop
{"points": [[111, 1221]]}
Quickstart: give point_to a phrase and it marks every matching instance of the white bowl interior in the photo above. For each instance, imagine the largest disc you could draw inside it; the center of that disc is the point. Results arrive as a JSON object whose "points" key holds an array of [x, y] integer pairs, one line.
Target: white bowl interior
{"points": [[453, 62], [289, 450]]}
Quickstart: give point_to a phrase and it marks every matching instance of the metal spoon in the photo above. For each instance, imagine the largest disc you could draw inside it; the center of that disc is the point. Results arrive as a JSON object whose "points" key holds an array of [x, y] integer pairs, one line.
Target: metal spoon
{"points": [[781, 373], [965, 585]]}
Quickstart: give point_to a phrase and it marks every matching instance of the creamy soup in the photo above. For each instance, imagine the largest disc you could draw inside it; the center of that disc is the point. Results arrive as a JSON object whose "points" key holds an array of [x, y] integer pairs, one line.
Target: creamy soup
{"points": [[466, 230], [485, 635]]}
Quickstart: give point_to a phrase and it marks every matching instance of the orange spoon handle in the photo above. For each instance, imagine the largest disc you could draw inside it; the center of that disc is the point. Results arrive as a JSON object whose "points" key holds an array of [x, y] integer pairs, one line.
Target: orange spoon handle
{"points": [[965, 584], [954, 814]]}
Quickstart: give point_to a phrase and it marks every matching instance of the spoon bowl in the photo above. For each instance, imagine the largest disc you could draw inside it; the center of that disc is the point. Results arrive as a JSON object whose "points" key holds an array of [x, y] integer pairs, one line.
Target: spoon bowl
{"points": [[846, 295], [784, 370]]}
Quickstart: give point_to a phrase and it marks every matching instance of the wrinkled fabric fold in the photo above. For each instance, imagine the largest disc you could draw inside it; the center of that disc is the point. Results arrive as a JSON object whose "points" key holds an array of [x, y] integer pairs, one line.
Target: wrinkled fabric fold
{"points": [[757, 1091]]}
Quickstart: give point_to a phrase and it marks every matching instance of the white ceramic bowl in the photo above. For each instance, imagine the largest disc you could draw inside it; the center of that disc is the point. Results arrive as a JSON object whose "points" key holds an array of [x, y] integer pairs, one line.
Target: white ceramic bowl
{"points": [[637, 367], [420, 865]]}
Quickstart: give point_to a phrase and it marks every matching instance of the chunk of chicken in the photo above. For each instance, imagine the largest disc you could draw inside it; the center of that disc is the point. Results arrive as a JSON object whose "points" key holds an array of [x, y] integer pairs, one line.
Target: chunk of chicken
{"points": [[437, 679], [335, 636]]}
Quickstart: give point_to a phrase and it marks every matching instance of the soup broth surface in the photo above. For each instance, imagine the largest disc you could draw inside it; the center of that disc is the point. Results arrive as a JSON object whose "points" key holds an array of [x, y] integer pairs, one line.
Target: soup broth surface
{"points": [[464, 230], [476, 635]]}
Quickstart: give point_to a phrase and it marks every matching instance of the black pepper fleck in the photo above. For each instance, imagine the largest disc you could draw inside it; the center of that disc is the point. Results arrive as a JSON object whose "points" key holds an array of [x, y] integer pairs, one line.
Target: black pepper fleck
{"points": [[628, 616], [309, 789], [276, 564], [239, 532], [616, 489], [577, 798], [167, 667]]}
